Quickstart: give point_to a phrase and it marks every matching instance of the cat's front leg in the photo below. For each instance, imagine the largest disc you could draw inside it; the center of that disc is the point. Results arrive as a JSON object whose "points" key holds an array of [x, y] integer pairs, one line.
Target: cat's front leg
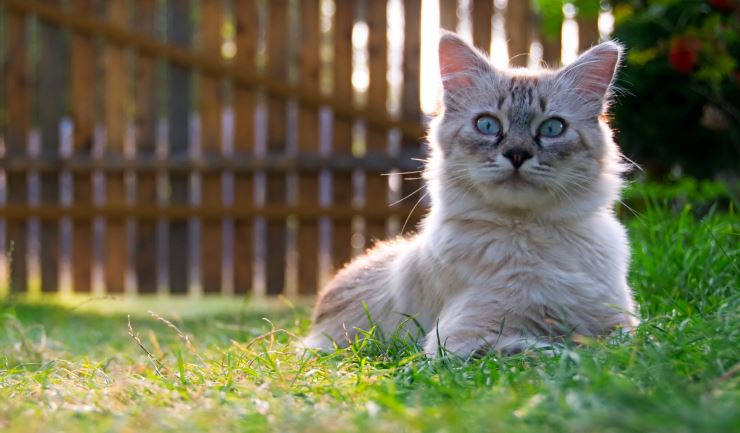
{"points": [[465, 345], [358, 298], [471, 326]]}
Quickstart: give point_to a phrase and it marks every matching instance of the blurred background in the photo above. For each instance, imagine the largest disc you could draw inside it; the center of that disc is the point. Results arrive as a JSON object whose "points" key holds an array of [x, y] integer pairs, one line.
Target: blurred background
{"points": [[251, 147]]}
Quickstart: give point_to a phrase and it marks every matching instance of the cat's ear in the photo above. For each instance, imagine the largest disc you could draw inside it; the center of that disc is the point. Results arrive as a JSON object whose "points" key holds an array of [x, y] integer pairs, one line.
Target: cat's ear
{"points": [[459, 63], [591, 76]]}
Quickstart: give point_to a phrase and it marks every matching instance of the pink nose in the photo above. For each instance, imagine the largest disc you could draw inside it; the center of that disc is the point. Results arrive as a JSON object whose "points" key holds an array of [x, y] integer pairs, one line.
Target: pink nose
{"points": [[517, 156]]}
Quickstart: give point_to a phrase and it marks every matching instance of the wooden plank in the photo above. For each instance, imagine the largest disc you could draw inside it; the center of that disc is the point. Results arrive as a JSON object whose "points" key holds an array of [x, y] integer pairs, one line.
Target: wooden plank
{"points": [[14, 212], [375, 161], [588, 30], [178, 107], [18, 91], [342, 192], [247, 34], [448, 14], [116, 122], [4, 264], [410, 103], [376, 184], [211, 105], [551, 50], [308, 141], [82, 237], [145, 118], [82, 111], [518, 31], [482, 14], [277, 66], [52, 81]]}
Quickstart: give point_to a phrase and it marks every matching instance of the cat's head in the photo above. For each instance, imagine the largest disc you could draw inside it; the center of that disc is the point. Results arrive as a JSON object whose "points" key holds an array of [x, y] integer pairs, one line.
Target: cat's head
{"points": [[523, 140]]}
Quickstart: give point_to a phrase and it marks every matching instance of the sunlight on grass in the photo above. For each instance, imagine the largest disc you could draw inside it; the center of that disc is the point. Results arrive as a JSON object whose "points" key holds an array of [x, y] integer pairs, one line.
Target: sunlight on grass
{"points": [[220, 365]]}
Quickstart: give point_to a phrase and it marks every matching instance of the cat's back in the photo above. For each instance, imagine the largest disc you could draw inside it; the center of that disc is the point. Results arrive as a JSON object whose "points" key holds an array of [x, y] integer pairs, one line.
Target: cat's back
{"points": [[367, 285], [371, 268]]}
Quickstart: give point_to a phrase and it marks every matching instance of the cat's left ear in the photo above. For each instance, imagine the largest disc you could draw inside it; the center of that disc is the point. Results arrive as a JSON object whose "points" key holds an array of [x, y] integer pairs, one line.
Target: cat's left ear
{"points": [[591, 76], [459, 63]]}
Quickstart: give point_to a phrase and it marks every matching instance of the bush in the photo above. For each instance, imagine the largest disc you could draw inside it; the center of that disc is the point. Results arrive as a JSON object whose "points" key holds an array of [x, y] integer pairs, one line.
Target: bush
{"points": [[680, 106]]}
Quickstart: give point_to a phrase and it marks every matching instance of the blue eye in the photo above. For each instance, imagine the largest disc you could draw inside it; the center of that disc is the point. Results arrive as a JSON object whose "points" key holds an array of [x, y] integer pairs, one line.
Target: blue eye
{"points": [[488, 125], [552, 127]]}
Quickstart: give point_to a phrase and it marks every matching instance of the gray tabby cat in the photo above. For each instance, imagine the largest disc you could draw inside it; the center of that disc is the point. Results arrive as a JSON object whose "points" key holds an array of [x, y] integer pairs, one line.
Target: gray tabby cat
{"points": [[521, 247]]}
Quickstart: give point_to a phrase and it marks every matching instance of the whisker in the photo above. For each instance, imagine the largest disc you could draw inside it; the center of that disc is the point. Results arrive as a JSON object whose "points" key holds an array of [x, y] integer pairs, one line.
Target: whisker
{"points": [[409, 195], [402, 173], [411, 212]]}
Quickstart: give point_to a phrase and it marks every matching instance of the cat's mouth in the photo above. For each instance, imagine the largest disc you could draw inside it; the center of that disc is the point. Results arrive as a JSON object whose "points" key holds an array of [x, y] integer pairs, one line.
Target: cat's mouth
{"points": [[517, 180]]}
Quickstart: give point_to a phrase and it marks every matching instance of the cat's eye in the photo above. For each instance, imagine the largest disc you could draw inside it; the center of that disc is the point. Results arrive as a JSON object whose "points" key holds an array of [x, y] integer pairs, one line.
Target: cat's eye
{"points": [[552, 127], [488, 125]]}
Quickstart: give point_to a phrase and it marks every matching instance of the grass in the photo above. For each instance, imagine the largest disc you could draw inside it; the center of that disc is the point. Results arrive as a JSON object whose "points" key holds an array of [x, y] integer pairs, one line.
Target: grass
{"points": [[225, 366]]}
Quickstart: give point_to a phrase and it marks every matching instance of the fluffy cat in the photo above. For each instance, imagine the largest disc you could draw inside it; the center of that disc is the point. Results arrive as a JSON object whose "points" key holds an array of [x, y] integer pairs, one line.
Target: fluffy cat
{"points": [[520, 247]]}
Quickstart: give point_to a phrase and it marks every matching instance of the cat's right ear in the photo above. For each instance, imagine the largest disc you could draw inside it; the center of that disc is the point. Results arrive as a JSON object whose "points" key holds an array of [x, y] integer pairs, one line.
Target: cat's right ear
{"points": [[459, 63]]}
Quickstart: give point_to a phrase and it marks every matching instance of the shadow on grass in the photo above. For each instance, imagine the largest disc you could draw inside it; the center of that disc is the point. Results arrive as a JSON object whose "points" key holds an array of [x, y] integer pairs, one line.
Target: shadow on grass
{"points": [[84, 328]]}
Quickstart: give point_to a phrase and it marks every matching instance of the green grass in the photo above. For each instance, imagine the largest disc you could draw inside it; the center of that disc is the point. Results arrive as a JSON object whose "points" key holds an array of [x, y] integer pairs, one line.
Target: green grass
{"points": [[225, 366]]}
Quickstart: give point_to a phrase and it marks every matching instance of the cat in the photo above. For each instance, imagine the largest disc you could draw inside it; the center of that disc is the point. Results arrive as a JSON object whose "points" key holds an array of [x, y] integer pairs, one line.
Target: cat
{"points": [[520, 248]]}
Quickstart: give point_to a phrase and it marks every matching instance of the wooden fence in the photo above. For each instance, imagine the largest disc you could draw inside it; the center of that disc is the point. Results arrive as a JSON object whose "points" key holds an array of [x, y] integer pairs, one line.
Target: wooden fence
{"points": [[213, 146]]}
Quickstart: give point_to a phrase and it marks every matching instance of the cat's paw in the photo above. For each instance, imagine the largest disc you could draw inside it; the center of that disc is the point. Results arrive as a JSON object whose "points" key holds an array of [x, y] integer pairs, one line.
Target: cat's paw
{"points": [[462, 348], [513, 346], [316, 342]]}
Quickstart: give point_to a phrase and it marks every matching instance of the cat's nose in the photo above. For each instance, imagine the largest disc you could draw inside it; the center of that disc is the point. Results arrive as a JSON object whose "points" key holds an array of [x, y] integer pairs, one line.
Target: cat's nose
{"points": [[517, 156]]}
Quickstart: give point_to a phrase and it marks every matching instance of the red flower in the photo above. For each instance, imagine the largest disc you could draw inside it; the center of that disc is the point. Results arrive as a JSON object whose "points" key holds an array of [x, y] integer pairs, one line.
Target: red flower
{"points": [[723, 5], [683, 55]]}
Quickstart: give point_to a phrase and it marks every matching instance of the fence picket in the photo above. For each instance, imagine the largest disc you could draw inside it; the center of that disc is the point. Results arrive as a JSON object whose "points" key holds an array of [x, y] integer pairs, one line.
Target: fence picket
{"points": [[376, 184], [551, 48], [210, 109], [4, 262], [82, 112], [146, 118], [341, 232], [308, 141], [247, 34], [588, 31], [277, 67], [518, 31], [116, 123], [18, 91], [482, 13], [448, 14], [53, 57], [410, 109], [552, 44], [178, 104]]}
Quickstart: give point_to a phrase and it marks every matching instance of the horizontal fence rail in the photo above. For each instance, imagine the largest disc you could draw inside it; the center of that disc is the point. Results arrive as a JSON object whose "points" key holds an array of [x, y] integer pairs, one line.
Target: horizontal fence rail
{"points": [[20, 212], [377, 163], [233, 147]]}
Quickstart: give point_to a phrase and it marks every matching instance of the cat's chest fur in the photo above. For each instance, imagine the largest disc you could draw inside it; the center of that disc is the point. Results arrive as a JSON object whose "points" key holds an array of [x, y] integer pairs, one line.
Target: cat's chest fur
{"points": [[526, 263]]}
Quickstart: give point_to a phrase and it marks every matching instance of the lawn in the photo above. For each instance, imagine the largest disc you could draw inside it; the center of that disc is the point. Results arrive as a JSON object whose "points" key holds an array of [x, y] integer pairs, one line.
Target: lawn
{"points": [[225, 366]]}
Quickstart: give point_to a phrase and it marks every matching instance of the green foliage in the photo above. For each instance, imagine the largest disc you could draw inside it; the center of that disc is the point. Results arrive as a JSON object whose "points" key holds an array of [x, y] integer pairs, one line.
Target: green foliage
{"points": [[75, 369], [680, 104], [550, 14]]}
